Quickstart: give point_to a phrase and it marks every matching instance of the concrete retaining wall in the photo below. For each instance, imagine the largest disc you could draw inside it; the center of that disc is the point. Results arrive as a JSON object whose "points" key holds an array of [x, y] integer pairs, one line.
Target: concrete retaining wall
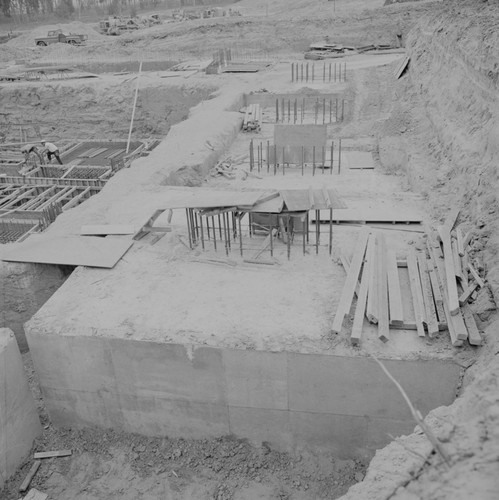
{"points": [[19, 424], [339, 404]]}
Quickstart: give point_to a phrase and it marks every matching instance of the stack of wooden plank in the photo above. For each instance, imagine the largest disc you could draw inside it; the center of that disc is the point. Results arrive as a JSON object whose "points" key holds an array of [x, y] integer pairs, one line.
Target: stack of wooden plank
{"points": [[252, 118], [442, 281]]}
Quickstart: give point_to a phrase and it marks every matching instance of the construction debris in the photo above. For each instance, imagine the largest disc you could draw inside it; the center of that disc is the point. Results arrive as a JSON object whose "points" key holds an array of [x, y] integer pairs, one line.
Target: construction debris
{"points": [[252, 118], [435, 279], [31, 474]]}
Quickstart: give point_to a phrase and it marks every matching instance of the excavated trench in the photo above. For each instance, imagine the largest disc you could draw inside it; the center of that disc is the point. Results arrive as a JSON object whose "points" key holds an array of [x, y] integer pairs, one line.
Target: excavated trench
{"points": [[73, 112]]}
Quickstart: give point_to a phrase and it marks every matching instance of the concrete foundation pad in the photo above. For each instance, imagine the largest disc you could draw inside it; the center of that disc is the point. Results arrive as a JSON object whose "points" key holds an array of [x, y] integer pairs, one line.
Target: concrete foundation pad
{"points": [[19, 423]]}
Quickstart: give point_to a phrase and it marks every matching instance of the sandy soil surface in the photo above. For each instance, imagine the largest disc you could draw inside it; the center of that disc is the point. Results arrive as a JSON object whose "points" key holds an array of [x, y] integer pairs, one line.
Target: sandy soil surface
{"points": [[415, 124]]}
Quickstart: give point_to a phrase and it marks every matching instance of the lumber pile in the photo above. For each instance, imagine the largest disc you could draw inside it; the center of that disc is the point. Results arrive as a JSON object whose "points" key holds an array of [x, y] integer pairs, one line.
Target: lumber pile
{"points": [[252, 118], [442, 282]]}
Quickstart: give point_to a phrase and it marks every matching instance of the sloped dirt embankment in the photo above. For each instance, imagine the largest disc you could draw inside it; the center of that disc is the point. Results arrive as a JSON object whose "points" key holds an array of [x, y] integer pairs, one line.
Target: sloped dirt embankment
{"points": [[444, 132]]}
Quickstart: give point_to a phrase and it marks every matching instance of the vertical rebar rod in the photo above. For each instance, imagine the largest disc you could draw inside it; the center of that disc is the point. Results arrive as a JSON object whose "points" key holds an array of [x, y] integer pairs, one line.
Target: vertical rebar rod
{"points": [[323, 110], [268, 155], [332, 155], [336, 113], [313, 160], [295, 111], [225, 236], [339, 156], [277, 110], [313, 71], [292, 72], [251, 155], [330, 111], [301, 72], [188, 227], [228, 229], [307, 74], [275, 159], [330, 230], [345, 73], [303, 110], [316, 110], [330, 72], [283, 169], [335, 72], [317, 231], [220, 227], [324, 73], [323, 159], [202, 232], [289, 235], [289, 110], [208, 228], [342, 109], [240, 233], [270, 234], [214, 233], [302, 159]]}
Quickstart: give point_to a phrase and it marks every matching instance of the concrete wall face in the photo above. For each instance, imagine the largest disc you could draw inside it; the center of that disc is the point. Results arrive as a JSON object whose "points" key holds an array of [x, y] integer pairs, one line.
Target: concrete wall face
{"points": [[19, 423], [339, 404]]}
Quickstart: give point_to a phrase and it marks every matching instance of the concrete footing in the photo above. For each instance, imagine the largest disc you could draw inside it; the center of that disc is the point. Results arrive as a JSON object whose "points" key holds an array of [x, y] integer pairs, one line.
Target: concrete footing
{"points": [[343, 405], [19, 423]]}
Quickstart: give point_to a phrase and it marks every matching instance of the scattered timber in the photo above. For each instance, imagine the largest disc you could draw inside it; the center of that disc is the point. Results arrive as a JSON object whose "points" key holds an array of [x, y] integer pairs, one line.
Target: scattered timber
{"points": [[31, 474], [52, 454]]}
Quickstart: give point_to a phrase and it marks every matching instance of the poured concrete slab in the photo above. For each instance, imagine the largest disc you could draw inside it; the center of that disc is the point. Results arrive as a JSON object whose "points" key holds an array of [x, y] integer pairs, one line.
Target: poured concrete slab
{"points": [[71, 251], [19, 423]]}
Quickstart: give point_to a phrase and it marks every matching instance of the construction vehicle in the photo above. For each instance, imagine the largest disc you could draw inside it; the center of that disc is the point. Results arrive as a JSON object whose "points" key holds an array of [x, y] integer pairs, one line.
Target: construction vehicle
{"points": [[58, 36], [118, 25]]}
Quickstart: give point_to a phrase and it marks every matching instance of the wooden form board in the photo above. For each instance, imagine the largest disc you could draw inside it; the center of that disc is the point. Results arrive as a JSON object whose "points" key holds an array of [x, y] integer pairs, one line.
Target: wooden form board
{"points": [[72, 251], [382, 295], [394, 291], [297, 200], [450, 275], [358, 160], [273, 206], [416, 292], [105, 229], [351, 281], [371, 216], [204, 198], [372, 303], [358, 320], [402, 67], [302, 135], [428, 302]]}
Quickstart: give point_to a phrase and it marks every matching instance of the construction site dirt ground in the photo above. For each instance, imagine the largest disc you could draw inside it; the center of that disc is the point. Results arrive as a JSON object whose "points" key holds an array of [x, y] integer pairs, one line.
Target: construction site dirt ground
{"points": [[288, 306]]}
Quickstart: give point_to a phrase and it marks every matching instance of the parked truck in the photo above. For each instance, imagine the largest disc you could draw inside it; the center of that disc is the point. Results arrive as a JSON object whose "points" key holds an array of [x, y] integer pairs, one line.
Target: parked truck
{"points": [[58, 36]]}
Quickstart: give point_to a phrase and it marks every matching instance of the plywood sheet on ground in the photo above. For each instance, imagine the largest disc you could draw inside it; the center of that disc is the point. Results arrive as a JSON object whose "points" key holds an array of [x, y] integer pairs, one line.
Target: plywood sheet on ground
{"points": [[358, 160], [71, 251]]}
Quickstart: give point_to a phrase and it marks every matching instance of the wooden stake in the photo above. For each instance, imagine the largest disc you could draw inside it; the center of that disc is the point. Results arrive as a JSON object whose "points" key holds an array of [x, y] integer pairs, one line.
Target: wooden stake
{"points": [[133, 110], [27, 480], [214, 233]]}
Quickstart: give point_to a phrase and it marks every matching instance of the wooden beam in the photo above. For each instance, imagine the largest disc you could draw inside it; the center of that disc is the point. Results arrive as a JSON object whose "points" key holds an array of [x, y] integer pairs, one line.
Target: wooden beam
{"points": [[475, 275], [372, 301], [460, 241], [394, 291], [437, 295], [417, 297], [450, 277], [429, 305], [358, 320], [467, 292], [474, 337], [351, 281], [451, 219], [457, 328], [457, 261], [51, 454], [264, 245], [383, 313], [27, 480]]}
